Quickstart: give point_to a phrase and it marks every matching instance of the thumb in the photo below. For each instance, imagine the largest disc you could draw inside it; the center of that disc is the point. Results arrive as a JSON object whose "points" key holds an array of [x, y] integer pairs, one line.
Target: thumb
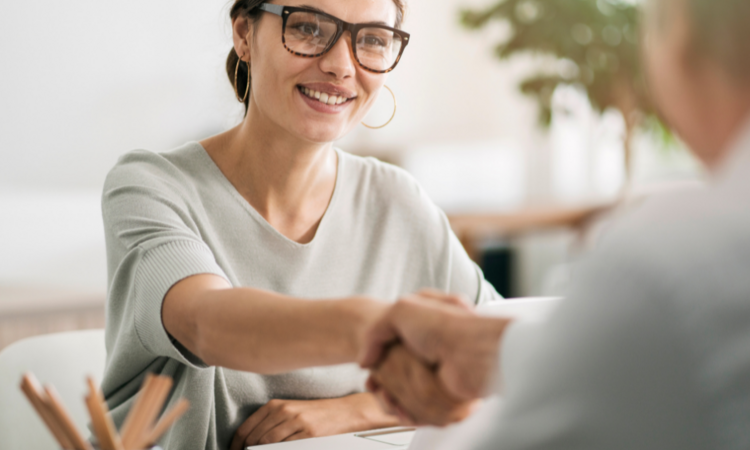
{"points": [[379, 337], [460, 385]]}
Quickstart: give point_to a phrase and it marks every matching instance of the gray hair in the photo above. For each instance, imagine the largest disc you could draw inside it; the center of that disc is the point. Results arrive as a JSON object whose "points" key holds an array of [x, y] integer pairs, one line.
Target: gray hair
{"points": [[721, 32]]}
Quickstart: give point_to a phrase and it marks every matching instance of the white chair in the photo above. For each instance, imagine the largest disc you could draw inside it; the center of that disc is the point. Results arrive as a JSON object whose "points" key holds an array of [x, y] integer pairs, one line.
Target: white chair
{"points": [[63, 360]]}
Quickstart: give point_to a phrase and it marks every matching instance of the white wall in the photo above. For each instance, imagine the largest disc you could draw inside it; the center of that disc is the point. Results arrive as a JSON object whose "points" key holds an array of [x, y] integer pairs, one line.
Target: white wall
{"points": [[84, 81]]}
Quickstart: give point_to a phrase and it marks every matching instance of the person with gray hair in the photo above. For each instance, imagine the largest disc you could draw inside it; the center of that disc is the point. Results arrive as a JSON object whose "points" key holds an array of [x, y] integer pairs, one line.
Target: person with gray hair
{"points": [[651, 348]]}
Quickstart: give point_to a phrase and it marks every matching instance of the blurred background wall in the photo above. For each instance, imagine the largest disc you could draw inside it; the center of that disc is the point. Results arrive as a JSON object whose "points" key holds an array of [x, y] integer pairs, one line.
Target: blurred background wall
{"points": [[84, 81]]}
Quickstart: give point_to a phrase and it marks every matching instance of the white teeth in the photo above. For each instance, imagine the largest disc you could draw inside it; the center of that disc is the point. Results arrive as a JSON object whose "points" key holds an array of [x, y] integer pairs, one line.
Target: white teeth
{"points": [[328, 99]]}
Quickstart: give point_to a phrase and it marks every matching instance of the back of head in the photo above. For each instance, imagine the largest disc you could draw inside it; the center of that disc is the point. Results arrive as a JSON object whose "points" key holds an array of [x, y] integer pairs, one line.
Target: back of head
{"points": [[721, 33], [698, 63]]}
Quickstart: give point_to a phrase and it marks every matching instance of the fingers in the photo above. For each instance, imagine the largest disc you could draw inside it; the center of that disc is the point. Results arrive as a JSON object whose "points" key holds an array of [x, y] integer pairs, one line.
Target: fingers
{"points": [[463, 384], [418, 321], [388, 403], [457, 300], [298, 435], [371, 385], [240, 436], [413, 321], [416, 395], [391, 406], [380, 336], [275, 417], [280, 432], [403, 416]]}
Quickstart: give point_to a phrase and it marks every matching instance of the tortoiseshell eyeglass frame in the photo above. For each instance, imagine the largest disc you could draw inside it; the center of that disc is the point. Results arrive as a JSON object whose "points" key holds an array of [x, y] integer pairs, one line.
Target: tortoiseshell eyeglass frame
{"points": [[353, 28]]}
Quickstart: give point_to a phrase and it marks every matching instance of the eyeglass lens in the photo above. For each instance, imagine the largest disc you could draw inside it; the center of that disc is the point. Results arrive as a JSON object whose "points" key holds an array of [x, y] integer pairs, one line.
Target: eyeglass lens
{"points": [[308, 33]]}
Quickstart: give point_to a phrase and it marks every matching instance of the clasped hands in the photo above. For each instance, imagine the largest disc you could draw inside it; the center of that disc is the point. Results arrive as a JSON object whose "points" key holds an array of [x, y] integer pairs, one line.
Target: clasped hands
{"points": [[431, 358]]}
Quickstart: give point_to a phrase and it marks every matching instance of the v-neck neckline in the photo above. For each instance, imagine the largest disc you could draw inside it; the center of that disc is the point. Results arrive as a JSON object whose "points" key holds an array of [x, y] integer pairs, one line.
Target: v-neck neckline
{"points": [[224, 181]]}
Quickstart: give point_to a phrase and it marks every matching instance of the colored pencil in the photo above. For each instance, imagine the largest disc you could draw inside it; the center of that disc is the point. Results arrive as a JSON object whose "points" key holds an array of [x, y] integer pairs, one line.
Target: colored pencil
{"points": [[105, 430], [166, 421], [79, 443], [32, 389]]}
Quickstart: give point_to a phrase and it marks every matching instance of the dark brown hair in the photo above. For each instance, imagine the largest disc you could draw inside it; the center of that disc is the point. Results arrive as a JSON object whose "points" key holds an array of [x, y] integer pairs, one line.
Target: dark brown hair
{"points": [[249, 9]]}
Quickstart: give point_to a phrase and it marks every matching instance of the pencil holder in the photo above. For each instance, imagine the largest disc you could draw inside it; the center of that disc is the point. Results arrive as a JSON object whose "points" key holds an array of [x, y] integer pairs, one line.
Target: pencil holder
{"points": [[140, 427]]}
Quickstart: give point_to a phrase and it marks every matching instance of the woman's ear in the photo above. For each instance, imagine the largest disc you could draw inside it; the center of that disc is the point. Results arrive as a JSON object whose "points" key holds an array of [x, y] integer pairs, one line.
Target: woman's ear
{"points": [[242, 32]]}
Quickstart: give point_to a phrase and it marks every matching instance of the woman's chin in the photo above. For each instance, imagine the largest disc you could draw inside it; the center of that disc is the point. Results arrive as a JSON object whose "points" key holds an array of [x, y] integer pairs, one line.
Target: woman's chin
{"points": [[322, 133]]}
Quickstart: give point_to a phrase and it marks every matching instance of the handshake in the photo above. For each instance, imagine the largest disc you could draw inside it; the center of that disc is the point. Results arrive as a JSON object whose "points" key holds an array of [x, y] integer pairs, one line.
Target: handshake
{"points": [[431, 358]]}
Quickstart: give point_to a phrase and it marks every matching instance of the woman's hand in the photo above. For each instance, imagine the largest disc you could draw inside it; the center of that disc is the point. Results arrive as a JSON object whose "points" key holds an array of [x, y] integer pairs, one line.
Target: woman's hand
{"points": [[413, 392], [290, 420]]}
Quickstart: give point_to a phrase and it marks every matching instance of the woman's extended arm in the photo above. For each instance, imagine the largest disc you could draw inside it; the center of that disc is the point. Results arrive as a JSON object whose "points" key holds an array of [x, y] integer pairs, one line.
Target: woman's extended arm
{"points": [[263, 332]]}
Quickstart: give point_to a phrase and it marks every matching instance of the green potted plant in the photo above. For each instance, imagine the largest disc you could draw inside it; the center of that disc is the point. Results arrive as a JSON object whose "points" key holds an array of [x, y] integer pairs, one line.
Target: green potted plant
{"points": [[595, 45]]}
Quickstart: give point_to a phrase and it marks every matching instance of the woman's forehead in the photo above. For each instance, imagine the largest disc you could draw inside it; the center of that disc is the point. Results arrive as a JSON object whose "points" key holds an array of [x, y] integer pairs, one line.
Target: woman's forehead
{"points": [[353, 11]]}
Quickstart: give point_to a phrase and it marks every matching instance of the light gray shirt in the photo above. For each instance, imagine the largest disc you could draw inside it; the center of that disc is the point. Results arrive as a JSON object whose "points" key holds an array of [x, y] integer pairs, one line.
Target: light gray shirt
{"points": [[651, 349], [172, 215]]}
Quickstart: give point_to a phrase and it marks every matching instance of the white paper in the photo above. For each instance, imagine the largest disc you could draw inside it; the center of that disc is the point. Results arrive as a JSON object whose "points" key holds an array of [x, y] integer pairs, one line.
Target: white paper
{"points": [[401, 438]]}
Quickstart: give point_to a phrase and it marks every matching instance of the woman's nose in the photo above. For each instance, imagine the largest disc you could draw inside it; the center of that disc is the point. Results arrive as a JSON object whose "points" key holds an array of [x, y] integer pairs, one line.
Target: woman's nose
{"points": [[339, 60]]}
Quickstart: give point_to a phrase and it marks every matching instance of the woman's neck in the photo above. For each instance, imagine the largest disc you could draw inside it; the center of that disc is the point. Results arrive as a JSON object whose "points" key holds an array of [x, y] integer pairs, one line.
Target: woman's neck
{"points": [[288, 181]]}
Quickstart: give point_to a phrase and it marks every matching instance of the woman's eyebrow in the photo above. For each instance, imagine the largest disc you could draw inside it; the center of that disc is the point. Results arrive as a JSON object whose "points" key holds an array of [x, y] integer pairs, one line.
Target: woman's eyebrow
{"points": [[376, 22]]}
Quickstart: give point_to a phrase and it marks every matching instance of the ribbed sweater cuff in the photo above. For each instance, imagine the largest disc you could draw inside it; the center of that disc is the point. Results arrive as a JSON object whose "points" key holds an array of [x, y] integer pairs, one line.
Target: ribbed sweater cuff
{"points": [[160, 269]]}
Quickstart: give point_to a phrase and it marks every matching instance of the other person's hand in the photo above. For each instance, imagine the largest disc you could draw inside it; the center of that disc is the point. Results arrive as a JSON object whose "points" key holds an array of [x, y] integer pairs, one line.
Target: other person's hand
{"points": [[411, 390], [461, 346], [290, 420]]}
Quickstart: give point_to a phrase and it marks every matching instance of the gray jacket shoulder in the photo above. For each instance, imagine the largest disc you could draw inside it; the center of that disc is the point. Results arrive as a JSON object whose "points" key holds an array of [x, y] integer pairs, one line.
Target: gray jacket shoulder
{"points": [[681, 232]]}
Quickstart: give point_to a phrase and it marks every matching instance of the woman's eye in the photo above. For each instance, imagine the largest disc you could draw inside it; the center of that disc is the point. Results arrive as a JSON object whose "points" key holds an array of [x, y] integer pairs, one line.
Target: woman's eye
{"points": [[307, 29], [373, 41]]}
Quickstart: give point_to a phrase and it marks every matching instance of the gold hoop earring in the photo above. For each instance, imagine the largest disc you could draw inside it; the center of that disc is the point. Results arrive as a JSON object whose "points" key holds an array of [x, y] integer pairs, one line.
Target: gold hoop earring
{"points": [[392, 115], [247, 89]]}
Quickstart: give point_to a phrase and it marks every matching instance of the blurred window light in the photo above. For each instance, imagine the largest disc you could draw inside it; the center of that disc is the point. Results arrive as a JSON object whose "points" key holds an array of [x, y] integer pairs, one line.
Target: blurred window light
{"points": [[587, 152], [466, 177]]}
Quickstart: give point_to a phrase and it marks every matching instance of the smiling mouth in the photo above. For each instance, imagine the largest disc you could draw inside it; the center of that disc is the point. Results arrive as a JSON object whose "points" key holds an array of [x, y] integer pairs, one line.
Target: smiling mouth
{"points": [[322, 97]]}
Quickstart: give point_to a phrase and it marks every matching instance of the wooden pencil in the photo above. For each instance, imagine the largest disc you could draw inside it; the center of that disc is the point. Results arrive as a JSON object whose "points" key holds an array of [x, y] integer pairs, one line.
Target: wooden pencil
{"points": [[165, 422], [154, 402], [96, 423], [32, 389], [140, 426], [135, 417], [58, 409], [109, 439], [155, 406]]}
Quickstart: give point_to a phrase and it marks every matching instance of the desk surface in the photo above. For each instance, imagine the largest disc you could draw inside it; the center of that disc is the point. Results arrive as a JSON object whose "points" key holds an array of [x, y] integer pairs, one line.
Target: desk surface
{"points": [[349, 441]]}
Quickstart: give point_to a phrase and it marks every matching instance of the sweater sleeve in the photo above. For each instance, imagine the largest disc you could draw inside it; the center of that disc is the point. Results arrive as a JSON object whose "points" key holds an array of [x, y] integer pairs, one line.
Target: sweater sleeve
{"points": [[152, 243], [465, 275]]}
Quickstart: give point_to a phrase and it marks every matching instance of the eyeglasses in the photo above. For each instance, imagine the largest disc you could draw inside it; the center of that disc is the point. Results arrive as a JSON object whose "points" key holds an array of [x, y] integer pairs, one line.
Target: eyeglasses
{"points": [[309, 33]]}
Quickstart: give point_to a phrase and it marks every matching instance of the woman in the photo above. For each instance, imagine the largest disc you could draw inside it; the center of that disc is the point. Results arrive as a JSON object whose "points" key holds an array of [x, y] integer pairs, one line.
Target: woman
{"points": [[247, 266]]}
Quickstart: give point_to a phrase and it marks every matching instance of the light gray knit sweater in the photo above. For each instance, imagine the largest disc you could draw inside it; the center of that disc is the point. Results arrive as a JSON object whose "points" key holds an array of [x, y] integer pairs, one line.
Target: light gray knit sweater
{"points": [[172, 215]]}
